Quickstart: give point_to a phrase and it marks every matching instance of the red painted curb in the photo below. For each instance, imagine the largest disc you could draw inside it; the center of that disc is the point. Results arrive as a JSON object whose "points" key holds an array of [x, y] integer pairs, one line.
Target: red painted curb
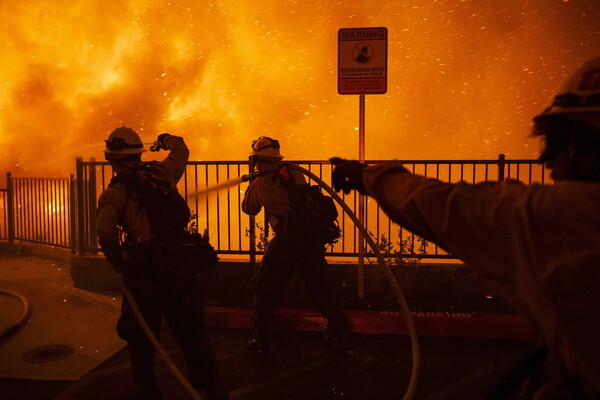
{"points": [[501, 326]]}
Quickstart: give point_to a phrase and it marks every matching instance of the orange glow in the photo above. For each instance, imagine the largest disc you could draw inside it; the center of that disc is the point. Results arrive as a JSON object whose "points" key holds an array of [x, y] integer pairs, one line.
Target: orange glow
{"points": [[464, 76]]}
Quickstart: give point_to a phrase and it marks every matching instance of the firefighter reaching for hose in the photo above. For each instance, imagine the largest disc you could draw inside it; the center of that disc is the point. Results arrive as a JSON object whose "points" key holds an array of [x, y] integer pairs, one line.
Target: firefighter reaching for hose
{"points": [[289, 251], [148, 260], [537, 245]]}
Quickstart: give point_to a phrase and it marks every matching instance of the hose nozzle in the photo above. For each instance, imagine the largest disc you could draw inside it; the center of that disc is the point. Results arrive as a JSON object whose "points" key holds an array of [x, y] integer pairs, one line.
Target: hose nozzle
{"points": [[250, 177]]}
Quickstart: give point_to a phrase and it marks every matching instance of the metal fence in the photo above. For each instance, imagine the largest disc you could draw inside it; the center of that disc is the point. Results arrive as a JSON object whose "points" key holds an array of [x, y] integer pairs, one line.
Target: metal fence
{"points": [[37, 210], [233, 232], [61, 212]]}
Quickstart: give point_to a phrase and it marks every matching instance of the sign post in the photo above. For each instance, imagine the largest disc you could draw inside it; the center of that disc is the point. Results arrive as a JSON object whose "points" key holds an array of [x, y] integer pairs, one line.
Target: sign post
{"points": [[362, 69]]}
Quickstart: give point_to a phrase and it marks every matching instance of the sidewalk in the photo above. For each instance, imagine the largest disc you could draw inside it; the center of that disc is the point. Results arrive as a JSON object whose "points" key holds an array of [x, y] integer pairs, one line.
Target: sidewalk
{"points": [[377, 366]]}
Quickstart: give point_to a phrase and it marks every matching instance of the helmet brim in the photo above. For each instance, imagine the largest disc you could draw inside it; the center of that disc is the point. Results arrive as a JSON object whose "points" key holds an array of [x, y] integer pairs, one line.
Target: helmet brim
{"points": [[563, 111], [125, 151], [274, 157], [546, 120]]}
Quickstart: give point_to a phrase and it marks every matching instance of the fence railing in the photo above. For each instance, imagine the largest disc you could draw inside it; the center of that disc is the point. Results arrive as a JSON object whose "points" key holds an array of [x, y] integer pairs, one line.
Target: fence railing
{"points": [[233, 232], [37, 210], [62, 212]]}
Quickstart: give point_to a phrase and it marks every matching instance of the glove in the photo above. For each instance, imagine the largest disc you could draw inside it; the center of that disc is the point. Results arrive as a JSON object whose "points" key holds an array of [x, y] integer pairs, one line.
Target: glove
{"points": [[160, 142], [347, 175]]}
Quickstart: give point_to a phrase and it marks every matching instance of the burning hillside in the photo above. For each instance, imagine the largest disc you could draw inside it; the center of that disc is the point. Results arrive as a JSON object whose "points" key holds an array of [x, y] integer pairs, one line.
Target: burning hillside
{"points": [[464, 77]]}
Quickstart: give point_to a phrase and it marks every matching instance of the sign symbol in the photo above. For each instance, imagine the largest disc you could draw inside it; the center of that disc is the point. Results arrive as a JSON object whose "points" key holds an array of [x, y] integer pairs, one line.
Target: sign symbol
{"points": [[363, 53]]}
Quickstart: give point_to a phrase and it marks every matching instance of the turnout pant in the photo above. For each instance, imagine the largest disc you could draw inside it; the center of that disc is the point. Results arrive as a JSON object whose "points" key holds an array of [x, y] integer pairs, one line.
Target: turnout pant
{"points": [[278, 264], [180, 301]]}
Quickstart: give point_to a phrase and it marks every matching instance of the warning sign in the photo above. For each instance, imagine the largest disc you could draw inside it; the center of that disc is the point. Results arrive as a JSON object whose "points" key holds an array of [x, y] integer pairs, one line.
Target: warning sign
{"points": [[362, 60]]}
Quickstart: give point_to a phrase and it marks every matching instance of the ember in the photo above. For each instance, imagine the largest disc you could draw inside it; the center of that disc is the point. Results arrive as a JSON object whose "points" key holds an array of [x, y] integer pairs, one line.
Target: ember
{"points": [[465, 77]]}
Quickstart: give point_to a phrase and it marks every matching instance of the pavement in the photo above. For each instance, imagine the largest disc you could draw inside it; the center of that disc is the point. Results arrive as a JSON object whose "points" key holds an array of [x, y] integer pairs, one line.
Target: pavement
{"points": [[377, 365]]}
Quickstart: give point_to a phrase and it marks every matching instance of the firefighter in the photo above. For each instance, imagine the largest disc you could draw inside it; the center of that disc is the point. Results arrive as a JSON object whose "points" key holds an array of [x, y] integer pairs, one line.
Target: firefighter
{"points": [[537, 245], [285, 255], [146, 269]]}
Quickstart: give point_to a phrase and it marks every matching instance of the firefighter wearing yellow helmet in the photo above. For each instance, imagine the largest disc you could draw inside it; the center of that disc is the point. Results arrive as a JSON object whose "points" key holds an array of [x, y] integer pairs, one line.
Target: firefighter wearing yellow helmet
{"points": [[266, 147], [570, 127], [124, 140], [538, 246], [271, 188], [149, 261]]}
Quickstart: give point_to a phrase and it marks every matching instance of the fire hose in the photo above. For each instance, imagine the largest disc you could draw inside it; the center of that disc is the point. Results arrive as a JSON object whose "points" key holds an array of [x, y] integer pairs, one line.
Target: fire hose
{"points": [[382, 263], [157, 346], [156, 146], [9, 331], [390, 276]]}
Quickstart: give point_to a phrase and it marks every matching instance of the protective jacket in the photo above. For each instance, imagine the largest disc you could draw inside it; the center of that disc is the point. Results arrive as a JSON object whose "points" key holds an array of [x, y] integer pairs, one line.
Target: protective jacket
{"points": [[284, 256], [115, 207], [149, 273], [267, 191], [538, 246]]}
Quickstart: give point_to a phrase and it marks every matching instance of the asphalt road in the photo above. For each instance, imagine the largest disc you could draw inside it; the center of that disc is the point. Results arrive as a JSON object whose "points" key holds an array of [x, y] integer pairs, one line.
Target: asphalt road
{"points": [[376, 367]]}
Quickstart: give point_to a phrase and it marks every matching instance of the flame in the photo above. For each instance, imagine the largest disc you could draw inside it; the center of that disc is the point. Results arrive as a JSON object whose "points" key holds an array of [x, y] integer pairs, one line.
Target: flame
{"points": [[464, 77]]}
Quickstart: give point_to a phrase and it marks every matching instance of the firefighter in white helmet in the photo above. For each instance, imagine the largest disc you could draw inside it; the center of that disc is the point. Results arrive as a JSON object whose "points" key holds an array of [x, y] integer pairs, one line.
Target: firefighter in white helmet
{"points": [[538, 246], [155, 277], [286, 254]]}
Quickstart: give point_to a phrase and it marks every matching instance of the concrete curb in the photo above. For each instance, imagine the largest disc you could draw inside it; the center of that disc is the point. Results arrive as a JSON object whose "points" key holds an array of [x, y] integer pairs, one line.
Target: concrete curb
{"points": [[443, 324]]}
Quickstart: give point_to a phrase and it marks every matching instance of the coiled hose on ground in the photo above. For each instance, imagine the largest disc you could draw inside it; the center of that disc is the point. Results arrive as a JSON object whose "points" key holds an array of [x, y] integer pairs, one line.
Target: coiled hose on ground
{"points": [[11, 329]]}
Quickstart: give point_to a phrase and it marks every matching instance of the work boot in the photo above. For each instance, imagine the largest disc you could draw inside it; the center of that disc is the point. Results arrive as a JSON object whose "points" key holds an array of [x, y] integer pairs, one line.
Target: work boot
{"points": [[260, 347], [259, 342], [143, 392]]}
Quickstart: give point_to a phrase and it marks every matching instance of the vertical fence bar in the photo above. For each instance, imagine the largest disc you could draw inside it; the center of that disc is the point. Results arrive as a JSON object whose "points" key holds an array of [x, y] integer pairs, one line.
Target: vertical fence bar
{"points": [[72, 215], [10, 206], [239, 198], [228, 176], [19, 224], [48, 219], [252, 224], [501, 166], [29, 194], [80, 211], [93, 239]]}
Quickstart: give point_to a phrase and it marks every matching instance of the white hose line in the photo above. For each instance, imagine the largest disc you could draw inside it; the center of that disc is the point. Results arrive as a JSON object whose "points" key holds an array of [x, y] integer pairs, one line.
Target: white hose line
{"points": [[224, 185], [8, 331], [390, 276], [382, 263], [157, 346]]}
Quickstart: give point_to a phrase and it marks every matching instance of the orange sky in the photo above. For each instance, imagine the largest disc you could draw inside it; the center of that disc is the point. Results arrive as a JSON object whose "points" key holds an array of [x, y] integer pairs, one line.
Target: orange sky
{"points": [[464, 76]]}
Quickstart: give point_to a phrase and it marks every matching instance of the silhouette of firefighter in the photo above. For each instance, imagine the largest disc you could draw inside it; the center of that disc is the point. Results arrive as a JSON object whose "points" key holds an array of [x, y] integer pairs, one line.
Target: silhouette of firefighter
{"points": [[538, 246], [143, 202], [288, 251]]}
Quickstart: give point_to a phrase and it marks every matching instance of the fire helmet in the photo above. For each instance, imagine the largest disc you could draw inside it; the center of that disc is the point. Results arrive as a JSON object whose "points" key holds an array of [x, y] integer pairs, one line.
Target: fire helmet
{"points": [[124, 140], [579, 97], [266, 147]]}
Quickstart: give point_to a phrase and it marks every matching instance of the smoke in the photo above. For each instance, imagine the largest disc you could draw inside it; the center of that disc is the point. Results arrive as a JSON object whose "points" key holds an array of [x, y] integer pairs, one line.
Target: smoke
{"points": [[464, 77]]}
